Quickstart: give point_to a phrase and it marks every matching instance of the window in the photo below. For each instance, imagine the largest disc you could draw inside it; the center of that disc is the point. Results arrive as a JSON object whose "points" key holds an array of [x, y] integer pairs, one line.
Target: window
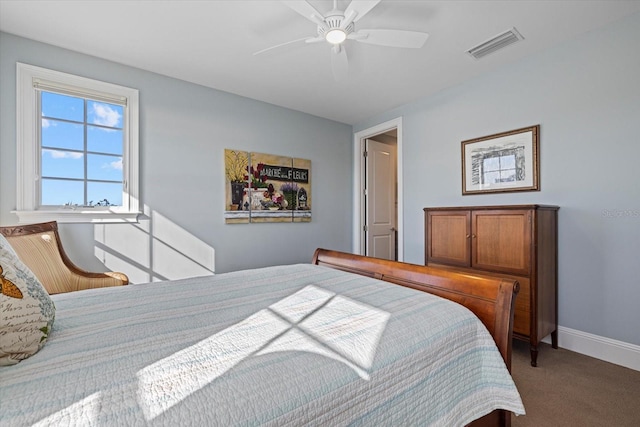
{"points": [[502, 165], [77, 148]]}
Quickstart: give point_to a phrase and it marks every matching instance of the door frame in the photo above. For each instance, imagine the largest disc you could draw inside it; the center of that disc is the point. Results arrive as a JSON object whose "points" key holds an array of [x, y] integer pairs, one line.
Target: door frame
{"points": [[358, 220]]}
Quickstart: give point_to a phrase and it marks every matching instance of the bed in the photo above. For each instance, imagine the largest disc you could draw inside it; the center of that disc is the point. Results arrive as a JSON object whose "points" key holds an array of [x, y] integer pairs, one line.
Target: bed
{"points": [[334, 342]]}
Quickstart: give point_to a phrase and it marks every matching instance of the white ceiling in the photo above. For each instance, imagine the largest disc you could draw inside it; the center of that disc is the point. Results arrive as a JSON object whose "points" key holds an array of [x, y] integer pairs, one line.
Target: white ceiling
{"points": [[211, 43]]}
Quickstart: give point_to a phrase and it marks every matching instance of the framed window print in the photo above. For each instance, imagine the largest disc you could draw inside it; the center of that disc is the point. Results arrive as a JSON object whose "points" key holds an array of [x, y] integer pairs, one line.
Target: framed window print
{"points": [[503, 162]]}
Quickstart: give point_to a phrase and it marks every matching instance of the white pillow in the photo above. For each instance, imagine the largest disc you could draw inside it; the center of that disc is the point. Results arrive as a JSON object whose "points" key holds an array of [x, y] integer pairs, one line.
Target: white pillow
{"points": [[26, 310]]}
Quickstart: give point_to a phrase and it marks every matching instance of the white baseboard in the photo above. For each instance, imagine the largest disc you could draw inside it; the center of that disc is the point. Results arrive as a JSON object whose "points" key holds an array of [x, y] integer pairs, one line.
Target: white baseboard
{"points": [[613, 351]]}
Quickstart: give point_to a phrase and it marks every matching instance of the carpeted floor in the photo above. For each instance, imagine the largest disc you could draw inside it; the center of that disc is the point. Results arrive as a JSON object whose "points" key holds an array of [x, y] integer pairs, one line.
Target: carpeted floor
{"points": [[570, 389]]}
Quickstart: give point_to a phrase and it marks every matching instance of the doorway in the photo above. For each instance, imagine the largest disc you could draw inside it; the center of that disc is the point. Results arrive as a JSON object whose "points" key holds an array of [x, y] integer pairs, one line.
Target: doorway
{"points": [[377, 190]]}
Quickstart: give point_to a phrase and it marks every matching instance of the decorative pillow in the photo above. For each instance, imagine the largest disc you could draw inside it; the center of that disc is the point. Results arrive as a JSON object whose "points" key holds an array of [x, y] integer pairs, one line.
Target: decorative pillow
{"points": [[26, 311]]}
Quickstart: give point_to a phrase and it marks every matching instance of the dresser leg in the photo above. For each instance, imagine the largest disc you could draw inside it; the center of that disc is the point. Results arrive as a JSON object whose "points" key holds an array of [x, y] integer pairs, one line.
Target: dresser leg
{"points": [[534, 355], [554, 339]]}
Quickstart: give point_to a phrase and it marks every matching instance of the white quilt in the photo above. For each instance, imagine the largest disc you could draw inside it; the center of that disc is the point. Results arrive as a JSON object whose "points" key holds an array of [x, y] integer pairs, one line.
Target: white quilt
{"points": [[280, 346]]}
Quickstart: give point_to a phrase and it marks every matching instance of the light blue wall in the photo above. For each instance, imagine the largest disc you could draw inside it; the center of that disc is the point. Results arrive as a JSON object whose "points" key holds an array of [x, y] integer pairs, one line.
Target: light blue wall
{"points": [[585, 94], [184, 129]]}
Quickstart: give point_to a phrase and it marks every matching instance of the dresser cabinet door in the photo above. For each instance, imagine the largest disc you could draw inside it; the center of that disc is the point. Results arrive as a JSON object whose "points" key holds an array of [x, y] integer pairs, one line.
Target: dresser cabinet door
{"points": [[501, 241], [513, 241], [448, 237]]}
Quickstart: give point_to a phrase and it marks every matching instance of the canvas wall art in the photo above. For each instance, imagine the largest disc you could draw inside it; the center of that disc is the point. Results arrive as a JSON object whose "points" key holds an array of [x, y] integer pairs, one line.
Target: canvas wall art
{"points": [[266, 188]]}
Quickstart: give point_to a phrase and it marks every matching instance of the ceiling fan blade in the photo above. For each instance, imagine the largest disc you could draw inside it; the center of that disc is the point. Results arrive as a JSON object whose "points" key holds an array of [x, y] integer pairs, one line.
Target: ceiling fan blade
{"points": [[317, 39], [360, 7], [348, 19], [391, 38], [339, 63], [305, 39], [305, 9]]}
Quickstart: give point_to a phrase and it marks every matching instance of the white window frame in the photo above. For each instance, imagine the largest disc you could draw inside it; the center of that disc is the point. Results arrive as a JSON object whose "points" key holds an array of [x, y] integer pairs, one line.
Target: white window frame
{"points": [[30, 77]]}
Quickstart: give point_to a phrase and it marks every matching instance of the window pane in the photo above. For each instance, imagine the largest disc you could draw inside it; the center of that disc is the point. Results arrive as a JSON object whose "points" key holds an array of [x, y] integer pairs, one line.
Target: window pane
{"points": [[62, 164], [100, 113], [104, 140], [62, 107], [57, 134], [98, 192], [508, 175], [508, 162], [491, 164], [104, 167], [491, 177], [59, 192]]}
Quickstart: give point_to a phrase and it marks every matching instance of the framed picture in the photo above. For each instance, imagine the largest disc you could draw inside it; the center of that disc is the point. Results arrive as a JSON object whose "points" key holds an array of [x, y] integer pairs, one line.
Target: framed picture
{"points": [[264, 187], [503, 162]]}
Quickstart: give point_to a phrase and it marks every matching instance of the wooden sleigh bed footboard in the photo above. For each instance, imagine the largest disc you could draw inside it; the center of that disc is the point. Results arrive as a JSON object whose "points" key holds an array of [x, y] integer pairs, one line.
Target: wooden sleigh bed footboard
{"points": [[490, 299]]}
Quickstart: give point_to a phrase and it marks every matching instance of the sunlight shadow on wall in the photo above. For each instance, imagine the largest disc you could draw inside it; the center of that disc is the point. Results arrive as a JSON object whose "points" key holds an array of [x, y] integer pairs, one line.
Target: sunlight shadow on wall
{"points": [[177, 253], [154, 249], [311, 320]]}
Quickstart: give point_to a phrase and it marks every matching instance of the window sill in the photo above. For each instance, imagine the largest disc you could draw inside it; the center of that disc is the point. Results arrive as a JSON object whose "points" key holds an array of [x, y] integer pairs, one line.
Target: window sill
{"points": [[78, 215]]}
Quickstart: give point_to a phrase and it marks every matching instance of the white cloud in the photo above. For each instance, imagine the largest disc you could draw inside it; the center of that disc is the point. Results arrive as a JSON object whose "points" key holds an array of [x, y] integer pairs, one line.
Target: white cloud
{"points": [[105, 115], [55, 154], [117, 165], [46, 123]]}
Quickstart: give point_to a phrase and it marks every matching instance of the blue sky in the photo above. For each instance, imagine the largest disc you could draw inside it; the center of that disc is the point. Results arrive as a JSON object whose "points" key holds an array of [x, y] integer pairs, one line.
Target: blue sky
{"points": [[64, 154]]}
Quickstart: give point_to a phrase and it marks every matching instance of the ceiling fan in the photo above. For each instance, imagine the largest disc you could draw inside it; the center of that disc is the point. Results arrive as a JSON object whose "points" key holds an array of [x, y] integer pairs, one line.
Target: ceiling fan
{"points": [[337, 26]]}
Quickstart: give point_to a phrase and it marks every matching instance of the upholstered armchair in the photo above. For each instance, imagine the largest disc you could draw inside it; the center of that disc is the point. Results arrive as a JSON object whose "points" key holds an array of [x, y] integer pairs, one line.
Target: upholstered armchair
{"points": [[40, 248]]}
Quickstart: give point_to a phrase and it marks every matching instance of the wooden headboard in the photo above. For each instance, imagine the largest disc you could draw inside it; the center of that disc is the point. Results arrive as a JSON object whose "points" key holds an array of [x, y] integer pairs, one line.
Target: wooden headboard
{"points": [[491, 299]]}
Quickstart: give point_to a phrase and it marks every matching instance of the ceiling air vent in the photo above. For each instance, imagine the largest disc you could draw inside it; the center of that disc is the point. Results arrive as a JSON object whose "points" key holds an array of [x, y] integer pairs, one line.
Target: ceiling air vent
{"points": [[496, 43]]}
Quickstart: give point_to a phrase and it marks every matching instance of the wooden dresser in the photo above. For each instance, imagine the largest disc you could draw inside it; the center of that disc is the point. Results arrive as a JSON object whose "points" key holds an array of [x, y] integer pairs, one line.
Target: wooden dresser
{"points": [[514, 241]]}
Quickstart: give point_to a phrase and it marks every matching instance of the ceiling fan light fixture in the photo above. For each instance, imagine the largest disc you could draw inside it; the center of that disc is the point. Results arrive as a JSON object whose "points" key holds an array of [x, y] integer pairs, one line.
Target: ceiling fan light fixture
{"points": [[335, 36]]}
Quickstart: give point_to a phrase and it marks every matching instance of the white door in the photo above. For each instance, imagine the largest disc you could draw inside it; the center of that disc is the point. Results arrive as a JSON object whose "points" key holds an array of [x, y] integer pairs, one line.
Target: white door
{"points": [[380, 182]]}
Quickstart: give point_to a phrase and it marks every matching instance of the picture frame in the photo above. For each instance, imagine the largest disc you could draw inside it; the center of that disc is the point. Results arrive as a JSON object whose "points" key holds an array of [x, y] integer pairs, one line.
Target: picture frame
{"points": [[502, 162], [262, 187]]}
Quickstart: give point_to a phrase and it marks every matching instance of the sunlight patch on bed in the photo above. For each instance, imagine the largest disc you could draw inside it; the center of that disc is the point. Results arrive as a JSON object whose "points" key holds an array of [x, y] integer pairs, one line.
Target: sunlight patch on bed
{"points": [[311, 320], [342, 329], [87, 409], [175, 377]]}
